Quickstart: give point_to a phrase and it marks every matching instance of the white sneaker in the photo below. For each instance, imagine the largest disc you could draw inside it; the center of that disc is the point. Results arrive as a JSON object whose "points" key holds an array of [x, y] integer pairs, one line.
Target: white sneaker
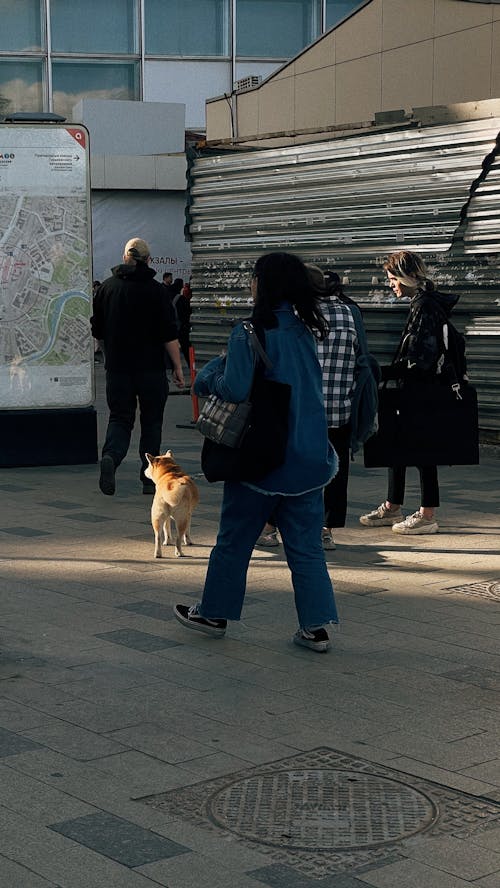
{"points": [[381, 517], [327, 539], [268, 540], [416, 523]]}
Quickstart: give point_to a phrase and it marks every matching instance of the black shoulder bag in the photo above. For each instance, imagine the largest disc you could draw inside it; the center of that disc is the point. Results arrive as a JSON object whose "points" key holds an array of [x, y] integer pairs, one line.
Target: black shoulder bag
{"points": [[260, 446]]}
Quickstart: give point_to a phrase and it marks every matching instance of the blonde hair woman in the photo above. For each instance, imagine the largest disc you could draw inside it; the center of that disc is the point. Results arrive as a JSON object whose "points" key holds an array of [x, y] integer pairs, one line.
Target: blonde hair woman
{"points": [[415, 364]]}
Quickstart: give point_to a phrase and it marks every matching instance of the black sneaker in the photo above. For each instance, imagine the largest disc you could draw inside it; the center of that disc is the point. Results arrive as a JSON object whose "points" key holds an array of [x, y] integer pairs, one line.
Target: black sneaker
{"points": [[190, 617], [316, 640], [107, 477]]}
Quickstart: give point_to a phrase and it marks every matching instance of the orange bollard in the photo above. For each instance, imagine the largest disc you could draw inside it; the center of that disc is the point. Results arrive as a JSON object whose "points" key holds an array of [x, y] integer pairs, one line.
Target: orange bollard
{"points": [[192, 371]]}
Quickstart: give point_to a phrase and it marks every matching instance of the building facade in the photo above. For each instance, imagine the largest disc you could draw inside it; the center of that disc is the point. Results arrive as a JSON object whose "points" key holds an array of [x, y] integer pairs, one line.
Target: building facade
{"points": [[387, 55], [54, 53]]}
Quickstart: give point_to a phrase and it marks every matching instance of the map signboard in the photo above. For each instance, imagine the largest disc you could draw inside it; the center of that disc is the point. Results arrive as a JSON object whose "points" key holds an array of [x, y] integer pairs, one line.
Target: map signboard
{"points": [[46, 352]]}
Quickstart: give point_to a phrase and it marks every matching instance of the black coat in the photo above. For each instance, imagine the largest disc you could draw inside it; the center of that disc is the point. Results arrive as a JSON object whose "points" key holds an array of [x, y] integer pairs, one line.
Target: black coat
{"points": [[421, 344], [134, 318]]}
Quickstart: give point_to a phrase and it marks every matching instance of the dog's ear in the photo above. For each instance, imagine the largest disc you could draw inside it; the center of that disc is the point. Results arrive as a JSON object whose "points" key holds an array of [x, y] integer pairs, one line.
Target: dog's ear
{"points": [[149, 458], [169, 453]]}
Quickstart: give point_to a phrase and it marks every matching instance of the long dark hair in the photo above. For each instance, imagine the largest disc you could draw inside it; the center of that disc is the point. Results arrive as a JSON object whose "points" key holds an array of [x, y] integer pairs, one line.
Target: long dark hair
{"points": [[283, 277]]}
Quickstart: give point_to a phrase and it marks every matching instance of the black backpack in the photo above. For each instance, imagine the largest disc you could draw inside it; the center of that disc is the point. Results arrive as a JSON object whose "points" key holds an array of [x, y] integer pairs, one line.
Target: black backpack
{"points": [[452, 363]]}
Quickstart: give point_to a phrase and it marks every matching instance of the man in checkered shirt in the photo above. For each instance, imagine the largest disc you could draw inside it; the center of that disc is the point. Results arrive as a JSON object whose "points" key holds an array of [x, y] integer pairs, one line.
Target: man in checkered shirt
{"points": [[337, 356]]}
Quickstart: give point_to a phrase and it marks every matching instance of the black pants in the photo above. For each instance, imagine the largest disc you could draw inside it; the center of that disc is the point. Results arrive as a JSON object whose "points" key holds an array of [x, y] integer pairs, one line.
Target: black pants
{"points": [[429, 486], [123, 391], [335, 494], [184, 344]]}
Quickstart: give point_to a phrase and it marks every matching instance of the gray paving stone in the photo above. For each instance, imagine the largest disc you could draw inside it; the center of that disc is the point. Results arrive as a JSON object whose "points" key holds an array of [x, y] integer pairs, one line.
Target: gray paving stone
{"points": [[139, 641], [35, 799], [12, 875], [13, 744], [61, 504], [279, 876], [118, 839], [453, 779], [409, 874], [489, 771], [141, 774], [492, 881], [488, 838], [73, 741], [149, 609], [20, 718], [196, 870], [88, 518], [458, 857], [60, 860], [156, 740], [25, 531]]}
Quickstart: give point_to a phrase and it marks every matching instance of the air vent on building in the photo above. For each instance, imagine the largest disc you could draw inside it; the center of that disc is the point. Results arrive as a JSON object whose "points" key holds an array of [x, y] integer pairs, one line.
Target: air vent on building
{"points": [[247, 82]]}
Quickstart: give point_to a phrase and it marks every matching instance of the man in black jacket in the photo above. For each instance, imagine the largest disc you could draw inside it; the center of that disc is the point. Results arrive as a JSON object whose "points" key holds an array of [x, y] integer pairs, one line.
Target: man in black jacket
{"points": [[135, 323]]}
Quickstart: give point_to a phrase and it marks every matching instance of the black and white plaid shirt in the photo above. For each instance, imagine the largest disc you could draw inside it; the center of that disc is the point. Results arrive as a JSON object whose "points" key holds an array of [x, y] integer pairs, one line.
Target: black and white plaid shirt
{"points": [[337, 356]]}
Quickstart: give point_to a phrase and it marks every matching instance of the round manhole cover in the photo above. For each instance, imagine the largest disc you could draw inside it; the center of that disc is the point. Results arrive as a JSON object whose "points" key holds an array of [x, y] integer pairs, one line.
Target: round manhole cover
{"points": [[494, 590], [321, 809]]}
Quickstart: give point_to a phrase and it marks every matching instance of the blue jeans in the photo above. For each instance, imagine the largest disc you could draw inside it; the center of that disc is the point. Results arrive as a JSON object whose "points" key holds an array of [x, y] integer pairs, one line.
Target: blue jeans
{"points": [[300, 520]]}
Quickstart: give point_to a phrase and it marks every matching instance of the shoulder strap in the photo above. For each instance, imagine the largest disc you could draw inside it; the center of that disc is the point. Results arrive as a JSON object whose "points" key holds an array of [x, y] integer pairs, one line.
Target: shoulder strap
{"points": [[254, 342], [360, 329]]}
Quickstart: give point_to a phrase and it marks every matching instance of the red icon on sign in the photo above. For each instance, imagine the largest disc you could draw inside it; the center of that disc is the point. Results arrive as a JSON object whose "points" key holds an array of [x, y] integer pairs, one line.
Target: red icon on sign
{"points": [[78, 135]]}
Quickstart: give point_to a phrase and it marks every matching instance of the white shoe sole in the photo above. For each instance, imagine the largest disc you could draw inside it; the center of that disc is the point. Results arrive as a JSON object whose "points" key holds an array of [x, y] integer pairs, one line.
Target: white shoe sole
{"points": [[380, 522], [213, 631], [414, 531], [318, 646]]}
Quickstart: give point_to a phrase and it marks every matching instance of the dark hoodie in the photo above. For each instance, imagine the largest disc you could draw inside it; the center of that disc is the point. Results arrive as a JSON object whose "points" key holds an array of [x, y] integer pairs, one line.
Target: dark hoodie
{"points": [[421, 343], [134, 318]]}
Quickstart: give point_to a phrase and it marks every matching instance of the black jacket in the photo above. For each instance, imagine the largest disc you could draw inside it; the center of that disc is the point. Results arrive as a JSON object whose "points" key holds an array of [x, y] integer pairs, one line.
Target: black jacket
{"points": [[421, 343], [134, 318]]}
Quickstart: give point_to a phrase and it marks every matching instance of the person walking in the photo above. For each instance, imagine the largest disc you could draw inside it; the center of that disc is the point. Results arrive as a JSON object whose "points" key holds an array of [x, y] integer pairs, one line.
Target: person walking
{"points": [[337, 356], [135, 322], [287, 309], [182, 305], [415, 364]]}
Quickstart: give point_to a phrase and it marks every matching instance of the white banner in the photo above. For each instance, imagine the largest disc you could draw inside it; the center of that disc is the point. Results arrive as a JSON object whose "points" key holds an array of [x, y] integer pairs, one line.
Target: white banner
{"points": [[156, 216]]}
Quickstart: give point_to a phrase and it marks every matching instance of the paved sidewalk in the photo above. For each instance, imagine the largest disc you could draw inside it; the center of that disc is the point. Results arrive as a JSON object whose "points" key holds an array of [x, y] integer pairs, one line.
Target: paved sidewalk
{"points": [[134, 753]]}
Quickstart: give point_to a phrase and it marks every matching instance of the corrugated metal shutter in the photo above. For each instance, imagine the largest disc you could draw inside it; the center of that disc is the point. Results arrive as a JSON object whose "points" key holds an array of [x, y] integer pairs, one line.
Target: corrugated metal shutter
{"points": [[346, 204]]}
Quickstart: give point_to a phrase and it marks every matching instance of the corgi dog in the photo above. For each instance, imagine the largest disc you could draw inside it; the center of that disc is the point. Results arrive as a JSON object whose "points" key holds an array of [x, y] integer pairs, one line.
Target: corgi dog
{"points": [[176, 497]]}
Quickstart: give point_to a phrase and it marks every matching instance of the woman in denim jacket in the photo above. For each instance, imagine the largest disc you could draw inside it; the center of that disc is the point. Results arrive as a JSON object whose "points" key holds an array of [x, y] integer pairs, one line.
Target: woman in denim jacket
{"points": [[287, 307]]}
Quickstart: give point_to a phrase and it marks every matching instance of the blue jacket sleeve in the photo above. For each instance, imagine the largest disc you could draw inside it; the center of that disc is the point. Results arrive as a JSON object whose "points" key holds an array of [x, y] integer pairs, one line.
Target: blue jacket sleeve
{"points": [[229, 377]]}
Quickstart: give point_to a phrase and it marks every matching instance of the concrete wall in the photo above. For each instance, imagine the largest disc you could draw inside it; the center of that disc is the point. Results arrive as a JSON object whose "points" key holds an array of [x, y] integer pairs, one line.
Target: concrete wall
{"points": [[135, 145], [391, 54]]}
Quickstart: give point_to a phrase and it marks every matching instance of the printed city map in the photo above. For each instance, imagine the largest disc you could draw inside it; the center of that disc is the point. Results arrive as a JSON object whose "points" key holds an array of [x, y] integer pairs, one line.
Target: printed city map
{"points": [[45, 268]]}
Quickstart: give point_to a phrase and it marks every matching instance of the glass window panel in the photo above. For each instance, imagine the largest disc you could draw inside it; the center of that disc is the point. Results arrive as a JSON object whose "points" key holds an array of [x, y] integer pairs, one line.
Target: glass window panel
{"points": [[21, 25], [94, 26], [189, 28], [275, 28], [337, 9], [21, 86], [72, 81]]}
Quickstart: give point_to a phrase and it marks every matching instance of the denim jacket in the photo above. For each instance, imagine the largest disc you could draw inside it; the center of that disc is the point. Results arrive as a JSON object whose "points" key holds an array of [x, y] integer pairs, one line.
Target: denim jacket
{"points": [[310, 460]]}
